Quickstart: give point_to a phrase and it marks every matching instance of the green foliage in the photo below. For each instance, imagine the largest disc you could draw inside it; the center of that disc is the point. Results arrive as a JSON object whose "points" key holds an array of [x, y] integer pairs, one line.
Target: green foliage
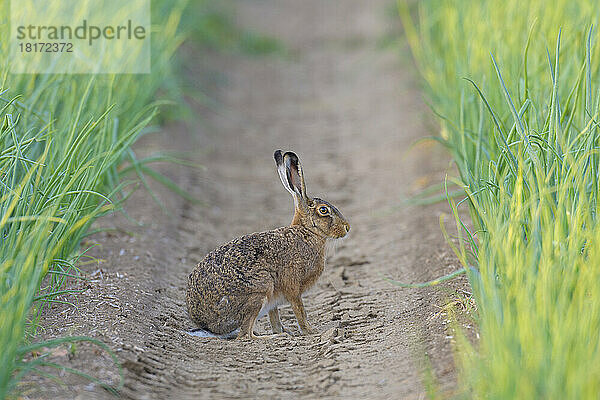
{"points": [[61, 140], [212, 26], [522, 129]]}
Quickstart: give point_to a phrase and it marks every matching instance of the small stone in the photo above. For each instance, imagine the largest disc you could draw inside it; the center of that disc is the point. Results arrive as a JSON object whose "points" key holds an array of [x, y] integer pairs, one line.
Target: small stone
{"points": [[328, 335]]}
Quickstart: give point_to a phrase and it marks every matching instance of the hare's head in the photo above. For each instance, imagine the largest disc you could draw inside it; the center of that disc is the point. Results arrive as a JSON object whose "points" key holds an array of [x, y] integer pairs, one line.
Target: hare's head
{"points": [[317, 215]]}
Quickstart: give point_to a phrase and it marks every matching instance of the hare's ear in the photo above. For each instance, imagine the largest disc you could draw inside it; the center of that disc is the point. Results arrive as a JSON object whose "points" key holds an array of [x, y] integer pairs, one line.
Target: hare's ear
{"points": [[282, 173], [290, 173]]}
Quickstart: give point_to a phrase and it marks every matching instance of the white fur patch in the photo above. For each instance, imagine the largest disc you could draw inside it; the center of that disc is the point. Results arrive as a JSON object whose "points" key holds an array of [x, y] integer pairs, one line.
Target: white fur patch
{"points": [[206, 334], [268, 306]]}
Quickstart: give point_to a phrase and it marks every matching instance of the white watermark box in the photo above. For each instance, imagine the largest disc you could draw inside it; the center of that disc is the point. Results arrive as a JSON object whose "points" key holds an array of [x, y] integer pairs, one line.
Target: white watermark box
{"points": [[80, 36]]}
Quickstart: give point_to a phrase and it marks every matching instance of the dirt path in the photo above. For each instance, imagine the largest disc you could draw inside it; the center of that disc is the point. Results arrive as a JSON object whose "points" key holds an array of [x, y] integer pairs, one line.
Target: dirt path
{"points": [[350, 109]]}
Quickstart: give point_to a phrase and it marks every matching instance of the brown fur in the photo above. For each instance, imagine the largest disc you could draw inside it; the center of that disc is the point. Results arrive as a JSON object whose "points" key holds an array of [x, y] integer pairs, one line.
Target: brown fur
{"points": [[228, 289]]}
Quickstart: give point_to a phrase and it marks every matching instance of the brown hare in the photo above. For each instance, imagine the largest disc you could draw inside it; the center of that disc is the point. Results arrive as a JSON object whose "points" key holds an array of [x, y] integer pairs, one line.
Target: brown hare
{"points": [[250, 276]]}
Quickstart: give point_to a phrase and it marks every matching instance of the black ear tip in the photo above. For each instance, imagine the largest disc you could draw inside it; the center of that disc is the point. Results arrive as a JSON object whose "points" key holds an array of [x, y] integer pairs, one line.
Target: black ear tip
{"points": [[292, 156], [278, 157]]}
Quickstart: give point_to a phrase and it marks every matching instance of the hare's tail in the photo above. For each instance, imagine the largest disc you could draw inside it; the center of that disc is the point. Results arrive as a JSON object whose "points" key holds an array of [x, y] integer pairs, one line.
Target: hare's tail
{"points": [[208, 334]]}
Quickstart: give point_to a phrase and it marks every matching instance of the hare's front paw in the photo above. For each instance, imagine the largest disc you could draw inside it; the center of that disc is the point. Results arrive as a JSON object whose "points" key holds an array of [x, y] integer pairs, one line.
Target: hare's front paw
{"points": [[284, 331], [308, 330]]}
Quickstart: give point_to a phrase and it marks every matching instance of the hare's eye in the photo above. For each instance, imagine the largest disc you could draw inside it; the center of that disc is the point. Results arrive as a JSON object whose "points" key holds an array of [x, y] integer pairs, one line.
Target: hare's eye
{"points": [[323, 210]]}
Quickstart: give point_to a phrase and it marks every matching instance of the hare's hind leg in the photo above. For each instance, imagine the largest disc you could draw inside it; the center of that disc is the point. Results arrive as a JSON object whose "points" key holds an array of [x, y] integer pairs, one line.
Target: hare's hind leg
{"points": [[251, 310]]}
